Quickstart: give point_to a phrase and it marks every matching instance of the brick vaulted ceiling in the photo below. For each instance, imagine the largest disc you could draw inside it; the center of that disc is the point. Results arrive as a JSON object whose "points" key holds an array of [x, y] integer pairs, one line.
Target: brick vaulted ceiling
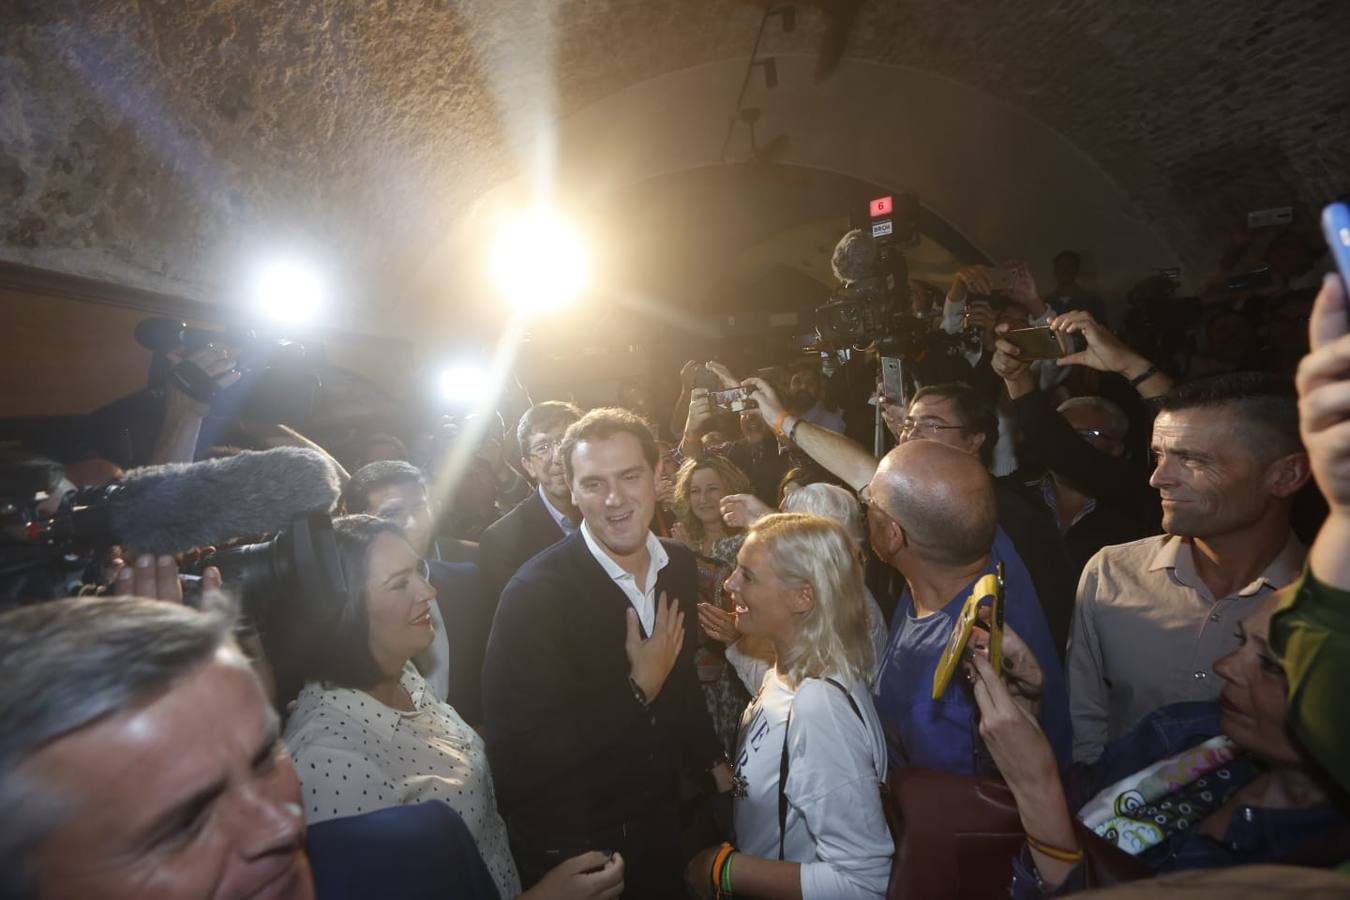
{"points": [[159, 142]]}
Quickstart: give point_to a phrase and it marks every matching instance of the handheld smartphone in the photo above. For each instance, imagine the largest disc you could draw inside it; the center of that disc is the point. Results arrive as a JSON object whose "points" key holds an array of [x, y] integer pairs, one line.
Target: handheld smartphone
{"points": [[1036, 343], [1002, 277], [1336, 229], [733, 399], [990, 588], [891, 383]]}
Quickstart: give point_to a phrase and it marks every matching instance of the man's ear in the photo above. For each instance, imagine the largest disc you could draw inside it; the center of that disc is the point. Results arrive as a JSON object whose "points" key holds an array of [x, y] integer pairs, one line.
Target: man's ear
{"points": [[977, 440], [1287, 474]]}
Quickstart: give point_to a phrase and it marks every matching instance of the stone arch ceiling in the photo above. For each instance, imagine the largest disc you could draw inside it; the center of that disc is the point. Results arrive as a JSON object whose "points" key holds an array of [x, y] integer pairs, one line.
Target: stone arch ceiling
{"points": [[161, 142]]}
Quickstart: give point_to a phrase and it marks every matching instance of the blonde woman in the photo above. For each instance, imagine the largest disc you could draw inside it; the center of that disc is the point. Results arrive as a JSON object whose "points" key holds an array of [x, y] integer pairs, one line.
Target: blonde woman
{"points": [[750, 656], [818, 832]]}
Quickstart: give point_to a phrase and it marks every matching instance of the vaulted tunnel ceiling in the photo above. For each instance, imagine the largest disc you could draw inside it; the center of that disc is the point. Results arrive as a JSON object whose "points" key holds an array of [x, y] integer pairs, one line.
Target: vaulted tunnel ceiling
{"points": [[166, 143]]}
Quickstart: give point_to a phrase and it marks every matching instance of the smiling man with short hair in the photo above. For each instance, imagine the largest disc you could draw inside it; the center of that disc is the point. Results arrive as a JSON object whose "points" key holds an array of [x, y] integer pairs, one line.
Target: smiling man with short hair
{"points": [[591, 699], [1153, 615]]}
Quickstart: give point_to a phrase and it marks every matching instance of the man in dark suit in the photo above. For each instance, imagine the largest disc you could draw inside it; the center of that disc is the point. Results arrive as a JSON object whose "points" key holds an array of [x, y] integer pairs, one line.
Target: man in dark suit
{"points": [[547, 514], [592, 705]]}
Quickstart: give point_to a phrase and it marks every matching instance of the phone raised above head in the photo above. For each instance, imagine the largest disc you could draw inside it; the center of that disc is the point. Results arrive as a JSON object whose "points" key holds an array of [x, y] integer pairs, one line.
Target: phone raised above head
{"points": [[1336, 229], [733, 399], [1037, 343]]}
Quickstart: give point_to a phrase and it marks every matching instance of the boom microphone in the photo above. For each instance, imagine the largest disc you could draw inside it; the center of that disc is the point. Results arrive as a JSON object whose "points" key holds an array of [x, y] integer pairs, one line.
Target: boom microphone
{"points": [[176, 507]]}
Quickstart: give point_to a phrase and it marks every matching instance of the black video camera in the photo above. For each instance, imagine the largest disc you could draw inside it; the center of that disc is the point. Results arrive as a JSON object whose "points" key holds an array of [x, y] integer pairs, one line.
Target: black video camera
{"points": [[280, 382], [54, 546]]}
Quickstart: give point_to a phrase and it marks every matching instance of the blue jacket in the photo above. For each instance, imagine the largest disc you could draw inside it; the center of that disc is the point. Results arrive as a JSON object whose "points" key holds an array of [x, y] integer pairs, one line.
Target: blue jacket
{"points": [[418, 852]]}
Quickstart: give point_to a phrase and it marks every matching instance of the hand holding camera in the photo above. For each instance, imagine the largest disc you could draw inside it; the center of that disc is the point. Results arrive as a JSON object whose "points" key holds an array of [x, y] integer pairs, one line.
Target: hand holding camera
{"points": [[766, 400], [1103, 351], [700, 412], [198, 374]]}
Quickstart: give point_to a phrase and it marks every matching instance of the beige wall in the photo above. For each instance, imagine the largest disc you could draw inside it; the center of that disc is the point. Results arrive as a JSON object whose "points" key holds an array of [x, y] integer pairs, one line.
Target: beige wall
{"points": [[60, 355]]}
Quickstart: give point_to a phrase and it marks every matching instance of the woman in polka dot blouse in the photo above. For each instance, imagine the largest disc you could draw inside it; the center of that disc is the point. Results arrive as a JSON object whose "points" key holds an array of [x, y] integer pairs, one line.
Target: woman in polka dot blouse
{"points": [[366, 733]]}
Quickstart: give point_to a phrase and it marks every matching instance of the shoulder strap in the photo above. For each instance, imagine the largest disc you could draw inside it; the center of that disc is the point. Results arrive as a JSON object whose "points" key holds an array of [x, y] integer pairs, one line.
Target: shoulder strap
{"points": [[783, 763]]}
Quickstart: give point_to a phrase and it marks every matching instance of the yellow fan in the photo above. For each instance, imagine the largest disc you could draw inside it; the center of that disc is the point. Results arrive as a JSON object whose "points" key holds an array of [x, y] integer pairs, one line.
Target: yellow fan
{"points": [[990, 587]]}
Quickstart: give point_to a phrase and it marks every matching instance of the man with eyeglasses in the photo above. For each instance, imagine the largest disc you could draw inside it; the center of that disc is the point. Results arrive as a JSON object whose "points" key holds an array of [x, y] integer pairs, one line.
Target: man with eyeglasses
{"points": [[959, 416], [1089, 522], [548, 514]]}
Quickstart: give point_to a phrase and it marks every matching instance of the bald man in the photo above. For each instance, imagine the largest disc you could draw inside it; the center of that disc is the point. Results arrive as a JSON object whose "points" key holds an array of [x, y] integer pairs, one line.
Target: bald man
{"points": [[931, 514]]}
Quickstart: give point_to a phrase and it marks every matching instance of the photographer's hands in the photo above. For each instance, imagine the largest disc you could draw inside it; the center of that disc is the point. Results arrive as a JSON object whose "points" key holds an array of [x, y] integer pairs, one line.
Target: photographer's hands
{"points": [[766, 400], [156, 578], [183, 413]]}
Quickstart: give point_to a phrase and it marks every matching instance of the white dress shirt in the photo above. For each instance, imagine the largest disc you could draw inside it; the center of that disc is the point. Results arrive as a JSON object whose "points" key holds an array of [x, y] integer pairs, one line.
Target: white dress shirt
{"points": [[558, 515], [643, 601]]}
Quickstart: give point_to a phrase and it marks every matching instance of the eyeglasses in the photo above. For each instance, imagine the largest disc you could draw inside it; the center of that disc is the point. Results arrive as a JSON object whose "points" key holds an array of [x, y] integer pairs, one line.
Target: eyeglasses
{"points": [[866, 502], [544, 449], [926, 426]]}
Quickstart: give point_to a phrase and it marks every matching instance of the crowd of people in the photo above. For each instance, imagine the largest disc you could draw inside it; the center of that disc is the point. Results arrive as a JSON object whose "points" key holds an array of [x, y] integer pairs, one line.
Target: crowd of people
{"points": [[694, 655]]}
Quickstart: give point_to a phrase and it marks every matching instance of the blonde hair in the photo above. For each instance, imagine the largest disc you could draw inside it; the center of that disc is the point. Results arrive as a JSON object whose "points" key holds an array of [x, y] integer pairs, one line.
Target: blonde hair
{"points": [[832, 636], [832, 502], [733, 479]]}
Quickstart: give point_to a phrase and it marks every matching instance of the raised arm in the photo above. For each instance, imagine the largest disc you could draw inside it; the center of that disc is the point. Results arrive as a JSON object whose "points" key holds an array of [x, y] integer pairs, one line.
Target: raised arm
{"points": [[843, 457]]}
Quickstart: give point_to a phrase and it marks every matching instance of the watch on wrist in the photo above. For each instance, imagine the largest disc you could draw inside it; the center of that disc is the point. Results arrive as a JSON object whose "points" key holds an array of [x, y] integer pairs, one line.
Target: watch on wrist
{"points": [[638, 693]]}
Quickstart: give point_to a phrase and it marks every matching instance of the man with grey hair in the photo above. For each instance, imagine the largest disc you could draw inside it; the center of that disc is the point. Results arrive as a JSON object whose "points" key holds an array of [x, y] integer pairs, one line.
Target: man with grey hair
{"points": [[139, 745], [931, 514], [140, 758]]}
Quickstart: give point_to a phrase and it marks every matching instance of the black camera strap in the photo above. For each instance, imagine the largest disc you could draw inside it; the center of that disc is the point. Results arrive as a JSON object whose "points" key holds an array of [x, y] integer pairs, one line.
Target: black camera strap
{"points": [[783, 763]]}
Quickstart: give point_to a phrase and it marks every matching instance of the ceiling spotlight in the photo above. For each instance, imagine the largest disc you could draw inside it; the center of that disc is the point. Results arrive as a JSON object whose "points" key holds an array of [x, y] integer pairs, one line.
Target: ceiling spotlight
{"points": [[539, 261], [464, 383], [288, 292]]}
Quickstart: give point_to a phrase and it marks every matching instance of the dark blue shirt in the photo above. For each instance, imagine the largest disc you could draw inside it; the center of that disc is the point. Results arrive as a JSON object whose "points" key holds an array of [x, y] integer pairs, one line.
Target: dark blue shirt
{"points": [[1254, 835], [422, 851], [943, 734]]}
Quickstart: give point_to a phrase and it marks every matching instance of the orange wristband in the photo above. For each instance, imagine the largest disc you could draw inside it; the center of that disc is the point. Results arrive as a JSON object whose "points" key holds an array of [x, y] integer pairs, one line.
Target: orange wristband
{"points": [[778, 425], [722, 853]]}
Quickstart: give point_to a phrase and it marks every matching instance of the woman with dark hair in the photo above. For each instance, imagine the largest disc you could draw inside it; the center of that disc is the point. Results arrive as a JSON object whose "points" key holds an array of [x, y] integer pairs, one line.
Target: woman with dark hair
{"points": [[1194, 785], [366, 733]]}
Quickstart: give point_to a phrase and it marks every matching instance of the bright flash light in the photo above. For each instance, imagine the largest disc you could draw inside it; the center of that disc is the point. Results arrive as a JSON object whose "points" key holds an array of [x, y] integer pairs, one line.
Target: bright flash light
{"points": [[539, 262], [289, 292], [465, 383]]}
